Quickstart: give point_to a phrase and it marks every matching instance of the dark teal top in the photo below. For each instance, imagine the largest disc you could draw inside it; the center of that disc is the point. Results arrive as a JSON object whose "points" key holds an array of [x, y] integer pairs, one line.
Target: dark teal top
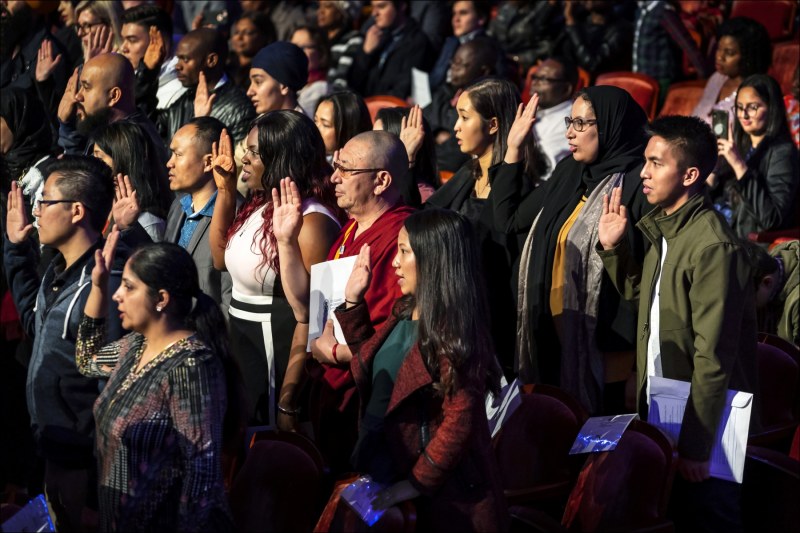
{"points": [[371, 453]]}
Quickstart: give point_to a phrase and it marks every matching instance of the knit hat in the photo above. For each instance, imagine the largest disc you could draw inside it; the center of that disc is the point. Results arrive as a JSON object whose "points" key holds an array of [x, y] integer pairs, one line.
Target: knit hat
{"points": [[285, 62]]}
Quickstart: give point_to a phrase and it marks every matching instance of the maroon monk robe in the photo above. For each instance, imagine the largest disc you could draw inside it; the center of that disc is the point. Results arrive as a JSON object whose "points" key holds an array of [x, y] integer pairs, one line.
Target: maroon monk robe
{"points": [[336, 423]]}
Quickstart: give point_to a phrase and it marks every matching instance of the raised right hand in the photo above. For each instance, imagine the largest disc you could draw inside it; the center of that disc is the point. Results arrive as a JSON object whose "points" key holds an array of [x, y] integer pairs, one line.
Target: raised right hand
{"points": [[223, 165], [613, 221], [125, 209], [66, 109], [412, 132], [358, 283], [46, 63], [156, 51], [98, 42], [103, 259], [17, 226], [203, 101], [522, 126], [287, 217]]}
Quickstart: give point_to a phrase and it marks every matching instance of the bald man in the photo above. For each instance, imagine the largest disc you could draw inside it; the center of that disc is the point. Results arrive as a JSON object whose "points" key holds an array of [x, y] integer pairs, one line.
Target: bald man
{"points": [[369, 174], [203, 51], [101, 93]]}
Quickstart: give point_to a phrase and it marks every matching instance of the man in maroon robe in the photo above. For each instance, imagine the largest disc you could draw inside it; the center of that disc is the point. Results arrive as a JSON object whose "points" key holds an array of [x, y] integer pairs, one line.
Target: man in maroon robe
{"points": [[368, 173]]}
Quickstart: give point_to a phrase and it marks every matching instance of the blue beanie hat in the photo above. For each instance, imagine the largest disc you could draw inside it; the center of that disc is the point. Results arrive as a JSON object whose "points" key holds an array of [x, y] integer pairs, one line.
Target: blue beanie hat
{"points": [[285, 62]]}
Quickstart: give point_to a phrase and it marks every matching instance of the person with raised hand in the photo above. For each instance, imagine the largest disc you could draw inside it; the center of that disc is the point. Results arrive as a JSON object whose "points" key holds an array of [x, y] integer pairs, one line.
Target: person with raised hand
{"points": [[487, 126], [128, 150], [422, 378], [696, 308], [268, 322], [573, 331], [74, 206], [170, 408]]}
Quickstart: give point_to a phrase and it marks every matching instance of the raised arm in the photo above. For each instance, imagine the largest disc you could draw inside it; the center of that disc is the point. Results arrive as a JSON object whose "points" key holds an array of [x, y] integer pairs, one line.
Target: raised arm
{"points": [[512, 212], [224, 170]]}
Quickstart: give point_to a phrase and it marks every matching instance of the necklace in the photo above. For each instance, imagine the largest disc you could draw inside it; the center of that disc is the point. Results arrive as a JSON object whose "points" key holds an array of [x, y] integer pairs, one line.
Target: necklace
{"points": [[479, 194]]}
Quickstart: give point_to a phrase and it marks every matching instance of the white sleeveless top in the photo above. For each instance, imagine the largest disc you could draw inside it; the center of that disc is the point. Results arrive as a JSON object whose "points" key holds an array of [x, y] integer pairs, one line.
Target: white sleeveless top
{"points": [[253, 282]]}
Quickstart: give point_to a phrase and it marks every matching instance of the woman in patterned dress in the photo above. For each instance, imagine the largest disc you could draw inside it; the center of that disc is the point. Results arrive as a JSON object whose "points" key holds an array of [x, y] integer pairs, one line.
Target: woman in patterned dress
{"points": [[165, 414]]}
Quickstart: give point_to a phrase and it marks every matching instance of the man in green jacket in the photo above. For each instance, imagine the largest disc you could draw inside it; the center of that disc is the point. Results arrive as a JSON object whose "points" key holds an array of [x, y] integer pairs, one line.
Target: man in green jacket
{"points": [[696, 306]]}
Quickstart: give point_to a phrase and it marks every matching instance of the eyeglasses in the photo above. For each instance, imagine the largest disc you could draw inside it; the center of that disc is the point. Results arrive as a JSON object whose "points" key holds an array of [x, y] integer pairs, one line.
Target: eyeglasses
{"points": [[545, 79], [86, 27], [350, 171], [749, 109], [579, 124], [37, 205]]}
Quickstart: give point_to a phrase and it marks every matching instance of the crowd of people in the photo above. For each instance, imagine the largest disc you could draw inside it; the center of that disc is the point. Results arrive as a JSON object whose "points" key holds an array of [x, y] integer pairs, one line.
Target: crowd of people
{"points": [[172, 170]]}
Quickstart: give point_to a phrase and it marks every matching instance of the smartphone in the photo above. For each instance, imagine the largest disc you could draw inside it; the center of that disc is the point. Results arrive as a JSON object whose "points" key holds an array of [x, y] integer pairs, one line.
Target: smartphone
{"points": [[719, 123]]}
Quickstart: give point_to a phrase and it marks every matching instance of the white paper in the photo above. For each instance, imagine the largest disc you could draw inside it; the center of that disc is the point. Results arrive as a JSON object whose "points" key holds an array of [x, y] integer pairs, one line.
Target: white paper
{"points": [[499, 409], [667, 404], [420, 87], [328, 281], [601, 433]]}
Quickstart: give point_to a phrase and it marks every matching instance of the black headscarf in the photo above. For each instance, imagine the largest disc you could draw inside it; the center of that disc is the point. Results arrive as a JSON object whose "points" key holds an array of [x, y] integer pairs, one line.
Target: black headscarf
{"points": [[25, 115], [620, 126]]}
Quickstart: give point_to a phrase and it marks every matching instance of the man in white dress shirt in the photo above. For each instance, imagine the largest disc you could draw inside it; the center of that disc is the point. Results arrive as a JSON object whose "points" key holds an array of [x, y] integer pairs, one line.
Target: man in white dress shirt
{"points": [[555, 81]]}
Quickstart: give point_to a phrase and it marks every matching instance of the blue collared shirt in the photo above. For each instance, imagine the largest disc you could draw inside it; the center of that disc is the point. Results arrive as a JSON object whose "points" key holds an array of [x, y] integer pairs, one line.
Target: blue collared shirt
{"points": [[193, 218]]}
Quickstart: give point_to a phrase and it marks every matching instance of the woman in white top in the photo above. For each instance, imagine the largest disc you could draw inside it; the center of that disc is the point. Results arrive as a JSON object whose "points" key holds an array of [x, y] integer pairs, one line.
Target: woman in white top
{"points": [[743, 49], [268, 337]]}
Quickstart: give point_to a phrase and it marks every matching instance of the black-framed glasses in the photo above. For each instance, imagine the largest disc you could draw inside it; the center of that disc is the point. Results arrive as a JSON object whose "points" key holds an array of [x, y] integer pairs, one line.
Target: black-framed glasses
{"points": [[86, 27], [545, 79], [579, 124], [351, 171], [37, 205], [750, 109]]}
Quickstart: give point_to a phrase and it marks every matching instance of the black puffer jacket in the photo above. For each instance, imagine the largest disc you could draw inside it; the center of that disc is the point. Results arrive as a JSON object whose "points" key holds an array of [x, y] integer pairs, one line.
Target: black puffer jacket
{"points": [[232, 108]]}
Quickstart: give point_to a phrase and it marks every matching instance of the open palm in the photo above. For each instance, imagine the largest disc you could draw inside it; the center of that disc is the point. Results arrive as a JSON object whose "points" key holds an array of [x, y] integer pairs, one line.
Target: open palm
{"points": [[223, 166], [613, 221], [287, 217]]}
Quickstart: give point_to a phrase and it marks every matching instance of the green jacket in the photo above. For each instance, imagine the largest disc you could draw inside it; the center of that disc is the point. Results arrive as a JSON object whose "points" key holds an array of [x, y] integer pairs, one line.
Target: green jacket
{"points": [[788, 300], [707, 315]]}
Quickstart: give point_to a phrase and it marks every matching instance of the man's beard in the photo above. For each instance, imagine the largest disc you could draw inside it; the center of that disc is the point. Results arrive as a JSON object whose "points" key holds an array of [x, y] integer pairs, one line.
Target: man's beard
{"points": [[93, 121], [13, 27]]}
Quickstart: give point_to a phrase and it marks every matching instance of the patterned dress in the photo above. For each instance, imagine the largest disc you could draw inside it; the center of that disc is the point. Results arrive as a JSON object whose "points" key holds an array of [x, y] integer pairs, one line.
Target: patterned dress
{"points": [[159, 433]]}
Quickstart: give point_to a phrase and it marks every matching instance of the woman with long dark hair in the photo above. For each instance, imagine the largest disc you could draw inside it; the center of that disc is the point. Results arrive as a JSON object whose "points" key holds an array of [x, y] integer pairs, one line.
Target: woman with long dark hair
{"points": [[487, 110], [340, 117], [762, 178], [573, 330], [423, 376], [129, 151], [171, 405], [265, 327]]}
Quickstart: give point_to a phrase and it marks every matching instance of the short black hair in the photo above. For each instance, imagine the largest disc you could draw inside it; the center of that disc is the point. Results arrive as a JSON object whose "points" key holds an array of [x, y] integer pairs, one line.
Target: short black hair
{"points": [[207, 131], [86, 180], [149, 15], [569, 70], [691, 138], [754, 44]]}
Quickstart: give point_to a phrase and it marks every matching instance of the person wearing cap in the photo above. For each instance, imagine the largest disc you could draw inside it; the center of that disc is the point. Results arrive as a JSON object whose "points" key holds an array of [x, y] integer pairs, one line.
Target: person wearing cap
{"points": [[277, 72], [201, 54]]}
